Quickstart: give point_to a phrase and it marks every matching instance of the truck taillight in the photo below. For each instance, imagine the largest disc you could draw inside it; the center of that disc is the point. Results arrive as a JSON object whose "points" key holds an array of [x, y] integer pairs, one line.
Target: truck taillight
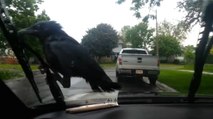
{"points": [[119, 60]]}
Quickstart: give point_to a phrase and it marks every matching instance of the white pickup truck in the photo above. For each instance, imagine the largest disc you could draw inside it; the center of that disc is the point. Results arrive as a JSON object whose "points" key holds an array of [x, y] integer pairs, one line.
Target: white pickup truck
{"points": [[136, 62]]}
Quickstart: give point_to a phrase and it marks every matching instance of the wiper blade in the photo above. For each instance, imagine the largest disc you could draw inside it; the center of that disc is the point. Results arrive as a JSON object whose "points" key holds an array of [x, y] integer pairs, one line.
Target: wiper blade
{"points": [[10, 33], [202, 51]]}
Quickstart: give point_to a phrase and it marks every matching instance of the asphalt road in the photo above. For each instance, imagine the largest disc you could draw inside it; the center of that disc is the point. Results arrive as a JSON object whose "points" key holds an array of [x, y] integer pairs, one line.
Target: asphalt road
{"points": [[79, 89]]}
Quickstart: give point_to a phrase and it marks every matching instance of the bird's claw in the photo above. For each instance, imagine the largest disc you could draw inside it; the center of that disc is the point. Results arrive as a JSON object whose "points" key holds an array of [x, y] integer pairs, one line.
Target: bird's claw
{"points": [[42, 69]]}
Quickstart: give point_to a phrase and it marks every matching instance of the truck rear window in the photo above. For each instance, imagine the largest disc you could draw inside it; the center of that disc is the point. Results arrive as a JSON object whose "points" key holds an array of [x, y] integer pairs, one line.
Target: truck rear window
{"points": [[134, 51]]}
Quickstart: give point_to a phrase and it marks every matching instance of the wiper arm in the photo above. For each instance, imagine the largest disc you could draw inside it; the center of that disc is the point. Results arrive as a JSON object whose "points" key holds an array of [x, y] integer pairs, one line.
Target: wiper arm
{"points": [[10, 33], [202, 51], [19, 46]]}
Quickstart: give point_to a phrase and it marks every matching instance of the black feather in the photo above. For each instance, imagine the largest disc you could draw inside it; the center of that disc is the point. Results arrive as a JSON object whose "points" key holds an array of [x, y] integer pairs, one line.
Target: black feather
{"points": [[66, 56]]}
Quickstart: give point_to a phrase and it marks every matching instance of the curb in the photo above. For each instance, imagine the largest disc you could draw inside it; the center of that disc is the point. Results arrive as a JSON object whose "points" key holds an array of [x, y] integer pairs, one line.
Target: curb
{"points": [[163, 86]]}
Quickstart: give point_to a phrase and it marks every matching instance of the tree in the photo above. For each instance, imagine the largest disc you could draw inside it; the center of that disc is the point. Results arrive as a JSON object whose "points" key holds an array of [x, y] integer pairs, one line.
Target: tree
{"points": [[193, 9], [100, 40], [177, 31], [139, 36], [189, 54], [23, 14], [139, 4], [124, 30], [168, 46]]}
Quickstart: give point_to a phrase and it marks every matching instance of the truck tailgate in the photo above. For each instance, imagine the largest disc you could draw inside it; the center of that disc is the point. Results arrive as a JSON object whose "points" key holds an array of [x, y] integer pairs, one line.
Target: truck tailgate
{"points": [[139, 61]]}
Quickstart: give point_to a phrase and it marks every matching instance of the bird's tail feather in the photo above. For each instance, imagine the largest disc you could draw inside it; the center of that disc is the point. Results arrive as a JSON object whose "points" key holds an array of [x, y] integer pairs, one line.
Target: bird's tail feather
{"points": [[105, 84], [110, 86]]}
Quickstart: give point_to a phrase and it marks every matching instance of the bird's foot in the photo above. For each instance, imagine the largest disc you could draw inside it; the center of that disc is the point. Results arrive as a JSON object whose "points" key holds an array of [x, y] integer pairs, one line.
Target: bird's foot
{"points": [[42, 69], [65, 83]]}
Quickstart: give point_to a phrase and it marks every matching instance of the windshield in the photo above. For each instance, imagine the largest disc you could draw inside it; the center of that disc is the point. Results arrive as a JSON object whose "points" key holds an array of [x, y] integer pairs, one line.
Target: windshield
{"points": [[53, 51]]}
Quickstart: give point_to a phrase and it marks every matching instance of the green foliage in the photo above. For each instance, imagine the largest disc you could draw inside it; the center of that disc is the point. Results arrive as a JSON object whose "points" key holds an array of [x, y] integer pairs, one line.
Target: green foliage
{"points": [[168, 46], [137, 5], [3, 44], [124, 30], [23, 14], [100, 40], [177, 31], [9, 74], [140, 36], [193, 9], [189, 54]]}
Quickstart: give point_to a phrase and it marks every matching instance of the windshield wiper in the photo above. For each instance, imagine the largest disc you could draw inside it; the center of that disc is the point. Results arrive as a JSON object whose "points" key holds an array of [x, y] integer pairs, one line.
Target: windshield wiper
{"points": [[19, 46], [202, 50], [10, 33]]}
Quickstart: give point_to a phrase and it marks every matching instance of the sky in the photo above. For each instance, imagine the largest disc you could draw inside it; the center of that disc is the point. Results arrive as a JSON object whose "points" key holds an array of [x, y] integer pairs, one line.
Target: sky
{"points": [[78, 16]]}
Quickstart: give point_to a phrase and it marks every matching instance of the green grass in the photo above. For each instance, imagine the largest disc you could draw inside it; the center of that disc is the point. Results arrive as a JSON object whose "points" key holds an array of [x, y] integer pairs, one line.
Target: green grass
{"points": [[207, 67], [11, 71], [108, 65], [16, 67], [171, 66], [181, 81], [9, 74]]}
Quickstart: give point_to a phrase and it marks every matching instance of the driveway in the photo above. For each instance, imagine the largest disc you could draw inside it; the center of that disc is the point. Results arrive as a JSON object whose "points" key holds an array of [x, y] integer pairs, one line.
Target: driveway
{"points": [[80, 89]]}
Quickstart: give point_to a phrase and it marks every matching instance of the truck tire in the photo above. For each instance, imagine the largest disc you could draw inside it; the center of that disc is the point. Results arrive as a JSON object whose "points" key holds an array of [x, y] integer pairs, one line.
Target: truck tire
{"points": [[152, 80]]}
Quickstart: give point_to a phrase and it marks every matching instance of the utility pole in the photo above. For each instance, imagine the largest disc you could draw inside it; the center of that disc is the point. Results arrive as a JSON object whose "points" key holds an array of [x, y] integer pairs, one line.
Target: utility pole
{"points": [[157, 45]]}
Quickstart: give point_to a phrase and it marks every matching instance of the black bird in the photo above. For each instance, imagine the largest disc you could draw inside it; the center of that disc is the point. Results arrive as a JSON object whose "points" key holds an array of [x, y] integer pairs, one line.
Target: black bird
{"points": [[66, 56]]}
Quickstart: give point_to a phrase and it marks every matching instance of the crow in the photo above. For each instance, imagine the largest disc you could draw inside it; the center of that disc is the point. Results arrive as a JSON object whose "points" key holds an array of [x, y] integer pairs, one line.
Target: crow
{"points": [[66, 56]]}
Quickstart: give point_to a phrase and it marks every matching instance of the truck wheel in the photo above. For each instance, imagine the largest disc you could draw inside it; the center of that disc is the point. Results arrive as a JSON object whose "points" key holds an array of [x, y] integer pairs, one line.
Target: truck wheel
{"points": [[152, 80]]}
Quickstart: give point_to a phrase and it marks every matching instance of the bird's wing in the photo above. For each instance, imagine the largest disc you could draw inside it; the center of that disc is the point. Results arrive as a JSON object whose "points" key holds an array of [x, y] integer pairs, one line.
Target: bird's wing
{"points": [[74, 60], [71, 54]]}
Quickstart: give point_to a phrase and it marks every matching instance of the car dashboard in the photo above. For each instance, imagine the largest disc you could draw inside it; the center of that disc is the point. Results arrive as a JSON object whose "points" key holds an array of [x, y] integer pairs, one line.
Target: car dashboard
{"points": [[140, 111]]}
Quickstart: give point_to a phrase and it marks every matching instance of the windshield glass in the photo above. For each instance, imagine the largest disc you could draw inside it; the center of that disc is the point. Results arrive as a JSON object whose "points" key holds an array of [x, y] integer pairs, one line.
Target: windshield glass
{"points": [[73, 49]]}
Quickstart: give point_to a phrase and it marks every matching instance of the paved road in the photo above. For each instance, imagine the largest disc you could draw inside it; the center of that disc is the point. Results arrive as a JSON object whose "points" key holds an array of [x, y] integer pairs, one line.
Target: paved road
{"points": [[79, 90]]}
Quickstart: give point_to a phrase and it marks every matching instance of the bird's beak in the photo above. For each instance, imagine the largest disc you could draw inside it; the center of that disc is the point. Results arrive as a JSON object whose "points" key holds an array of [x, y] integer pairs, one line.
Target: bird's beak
{"points": [[26, 31]]}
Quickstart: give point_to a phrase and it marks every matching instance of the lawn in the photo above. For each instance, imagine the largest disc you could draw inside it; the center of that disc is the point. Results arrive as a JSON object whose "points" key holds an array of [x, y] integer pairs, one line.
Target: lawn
{"points": [[180, 80], [16, 67], [10, 74], [11, 71], [108, 65], [207, 67]]}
